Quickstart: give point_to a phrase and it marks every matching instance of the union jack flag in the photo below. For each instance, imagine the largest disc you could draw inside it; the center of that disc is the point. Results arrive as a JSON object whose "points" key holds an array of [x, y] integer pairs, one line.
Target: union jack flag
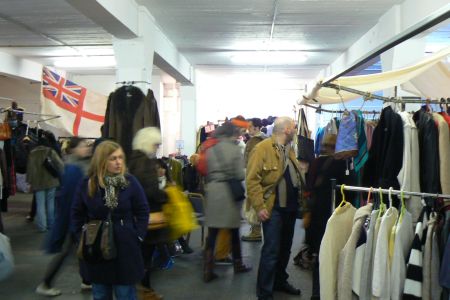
{"points": [[58, 88], [73, 98]]}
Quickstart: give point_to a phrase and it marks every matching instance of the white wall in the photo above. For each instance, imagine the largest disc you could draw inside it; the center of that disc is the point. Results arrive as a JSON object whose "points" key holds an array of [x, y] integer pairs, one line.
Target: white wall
{"points": [[225, 93]]}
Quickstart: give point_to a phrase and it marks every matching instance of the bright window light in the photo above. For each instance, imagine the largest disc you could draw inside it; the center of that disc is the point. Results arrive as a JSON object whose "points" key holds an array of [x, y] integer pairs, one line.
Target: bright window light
{"points": [[86, 62], [269, 58]]}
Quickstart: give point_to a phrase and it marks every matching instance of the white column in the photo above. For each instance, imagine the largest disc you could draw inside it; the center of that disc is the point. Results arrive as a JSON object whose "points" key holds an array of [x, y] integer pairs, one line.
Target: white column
{"points": [[188, 118], [134, 59]]}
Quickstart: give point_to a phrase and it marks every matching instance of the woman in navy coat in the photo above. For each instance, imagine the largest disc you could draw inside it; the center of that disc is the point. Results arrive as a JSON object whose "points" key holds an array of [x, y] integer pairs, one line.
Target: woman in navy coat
{"points": [[109, 188]]}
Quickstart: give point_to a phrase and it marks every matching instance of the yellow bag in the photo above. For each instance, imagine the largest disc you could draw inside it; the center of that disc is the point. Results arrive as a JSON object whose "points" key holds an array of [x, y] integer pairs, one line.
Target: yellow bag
{"points": [[179, 213]]}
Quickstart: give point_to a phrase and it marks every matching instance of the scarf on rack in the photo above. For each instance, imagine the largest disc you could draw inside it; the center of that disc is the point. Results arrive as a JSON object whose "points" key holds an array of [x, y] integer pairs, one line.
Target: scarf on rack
{"points": [[112, 186], [295, 177]]}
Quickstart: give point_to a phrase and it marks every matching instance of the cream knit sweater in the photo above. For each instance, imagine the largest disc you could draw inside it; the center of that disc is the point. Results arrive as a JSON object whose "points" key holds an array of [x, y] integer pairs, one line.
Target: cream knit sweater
{"points": [[337, 232], [404, 236], [347, 254], [381, 287]]}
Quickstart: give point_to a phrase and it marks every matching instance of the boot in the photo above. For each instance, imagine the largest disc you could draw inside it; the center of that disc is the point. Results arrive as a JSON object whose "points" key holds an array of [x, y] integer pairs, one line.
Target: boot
{"points": [[254, 235], [208, 265], [185, 246], [240, 267]]}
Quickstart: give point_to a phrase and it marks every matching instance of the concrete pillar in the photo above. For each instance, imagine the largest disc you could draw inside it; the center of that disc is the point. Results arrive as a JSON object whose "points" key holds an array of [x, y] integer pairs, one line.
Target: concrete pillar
{"points": [[188, 118], [134, 59]]}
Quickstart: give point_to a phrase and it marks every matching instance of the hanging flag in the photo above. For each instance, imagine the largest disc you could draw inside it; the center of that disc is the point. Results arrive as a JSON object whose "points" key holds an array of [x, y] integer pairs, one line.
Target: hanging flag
{"points": [[82, 111]]}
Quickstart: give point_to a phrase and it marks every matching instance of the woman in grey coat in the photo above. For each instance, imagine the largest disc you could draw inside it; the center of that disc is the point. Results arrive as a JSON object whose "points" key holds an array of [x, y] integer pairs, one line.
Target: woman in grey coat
{"points": [[225, 161]]}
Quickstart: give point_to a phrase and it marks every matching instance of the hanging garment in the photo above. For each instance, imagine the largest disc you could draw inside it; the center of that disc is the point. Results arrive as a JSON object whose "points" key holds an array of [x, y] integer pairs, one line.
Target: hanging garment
{"points": [[404, 236], [369, 127], [409, 176], [338, 230], [430, 272], [386, 154], [381, 286], [366, 268], [414, 277], [363, 154], [444, 278], [347, 255], [428, 152], [127, 111], [347, 138], [444, 152], [175, 169], [317, 143]]}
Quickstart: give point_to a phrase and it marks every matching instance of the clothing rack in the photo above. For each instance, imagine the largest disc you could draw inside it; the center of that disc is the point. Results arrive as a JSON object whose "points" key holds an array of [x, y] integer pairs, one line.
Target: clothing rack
{"points": [[335, 186], [49, 117], [370, 96], [132, 82], [7, 99], [319, 110]]}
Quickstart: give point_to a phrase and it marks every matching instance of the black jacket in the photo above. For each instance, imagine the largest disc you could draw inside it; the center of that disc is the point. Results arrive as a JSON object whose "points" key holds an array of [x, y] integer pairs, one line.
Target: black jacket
{"points": [[145, 170], [428, 152], [386, 154], [127, 111]]}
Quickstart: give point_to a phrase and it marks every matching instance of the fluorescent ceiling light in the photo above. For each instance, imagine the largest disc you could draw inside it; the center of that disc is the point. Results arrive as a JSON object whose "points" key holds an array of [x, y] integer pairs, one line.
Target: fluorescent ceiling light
{"points": [[86, 62], [269, 58]]}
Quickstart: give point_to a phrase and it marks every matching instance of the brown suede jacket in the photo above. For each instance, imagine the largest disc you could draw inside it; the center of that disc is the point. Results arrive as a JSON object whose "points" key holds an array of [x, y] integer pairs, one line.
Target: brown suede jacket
{"points": [[264, 169]]}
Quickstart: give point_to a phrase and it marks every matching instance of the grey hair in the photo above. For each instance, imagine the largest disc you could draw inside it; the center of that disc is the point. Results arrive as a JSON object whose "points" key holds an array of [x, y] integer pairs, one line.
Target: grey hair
{"points": [[281, 124], [145, 138]]}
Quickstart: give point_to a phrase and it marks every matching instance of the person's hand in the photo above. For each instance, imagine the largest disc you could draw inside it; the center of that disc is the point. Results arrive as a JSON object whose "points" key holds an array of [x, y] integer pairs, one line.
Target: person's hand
{"points": [[263, 215]]}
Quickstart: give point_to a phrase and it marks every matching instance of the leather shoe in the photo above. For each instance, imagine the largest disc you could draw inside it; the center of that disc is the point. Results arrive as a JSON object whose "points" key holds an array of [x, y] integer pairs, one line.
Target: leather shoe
{"points": [[287, 288]]}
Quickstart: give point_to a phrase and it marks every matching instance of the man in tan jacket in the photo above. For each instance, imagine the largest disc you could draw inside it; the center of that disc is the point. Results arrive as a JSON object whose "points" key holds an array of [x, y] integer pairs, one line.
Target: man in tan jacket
{"points": [[273, 183], [254, 130]]}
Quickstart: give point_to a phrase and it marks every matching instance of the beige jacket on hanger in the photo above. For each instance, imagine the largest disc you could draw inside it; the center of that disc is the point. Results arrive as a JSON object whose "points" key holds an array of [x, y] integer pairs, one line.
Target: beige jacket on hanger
{"points": [[444, 152]]}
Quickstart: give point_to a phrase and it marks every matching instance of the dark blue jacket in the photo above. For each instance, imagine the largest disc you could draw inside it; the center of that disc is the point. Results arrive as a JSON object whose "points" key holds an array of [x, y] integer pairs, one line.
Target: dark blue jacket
{"points": [[64, 198], [130, 220]]}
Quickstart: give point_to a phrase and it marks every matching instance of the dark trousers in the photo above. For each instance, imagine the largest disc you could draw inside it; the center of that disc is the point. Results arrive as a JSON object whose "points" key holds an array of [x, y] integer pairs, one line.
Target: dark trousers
{"points": [[147, 252], [235, 241], [278, 233], [57, 262]]}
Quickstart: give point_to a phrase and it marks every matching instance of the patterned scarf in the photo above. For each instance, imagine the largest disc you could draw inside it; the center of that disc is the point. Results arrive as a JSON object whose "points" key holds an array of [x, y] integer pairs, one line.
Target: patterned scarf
{"points": [[112, 186]]}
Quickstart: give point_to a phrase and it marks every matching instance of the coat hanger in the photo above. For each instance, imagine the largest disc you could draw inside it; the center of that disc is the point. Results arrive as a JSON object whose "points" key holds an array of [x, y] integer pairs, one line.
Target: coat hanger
{"points": [[390, 196], [343, 202], [369, 200], [403, 208], [382, 208]]}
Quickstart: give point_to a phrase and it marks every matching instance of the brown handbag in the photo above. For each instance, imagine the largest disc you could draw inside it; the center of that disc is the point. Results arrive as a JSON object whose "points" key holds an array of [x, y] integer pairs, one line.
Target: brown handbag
{"points": [[157, 220], [5, 131]]}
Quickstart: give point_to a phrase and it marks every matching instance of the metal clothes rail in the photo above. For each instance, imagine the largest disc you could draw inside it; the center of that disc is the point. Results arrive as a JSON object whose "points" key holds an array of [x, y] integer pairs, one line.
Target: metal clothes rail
{"points": [[319, 110], [370, 96], [335, 187]]}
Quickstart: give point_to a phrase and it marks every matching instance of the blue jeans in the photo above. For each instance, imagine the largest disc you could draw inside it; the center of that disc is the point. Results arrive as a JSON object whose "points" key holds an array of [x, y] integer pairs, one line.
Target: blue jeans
{"points": [[278, 232], [45, 208], [105, 292]]}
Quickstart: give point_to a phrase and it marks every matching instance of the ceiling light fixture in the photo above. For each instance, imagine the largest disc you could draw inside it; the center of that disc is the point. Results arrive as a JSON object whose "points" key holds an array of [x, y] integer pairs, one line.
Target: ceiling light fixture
{"points": [[269, 58], [86, 62]]}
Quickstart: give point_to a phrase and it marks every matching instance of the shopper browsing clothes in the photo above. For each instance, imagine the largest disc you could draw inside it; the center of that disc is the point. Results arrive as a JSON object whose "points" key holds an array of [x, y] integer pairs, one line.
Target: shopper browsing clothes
{"points": [[109, 190], [256, 136], [59, 240], [144, 165], [224, 161], [44, 167], [273, 180]]}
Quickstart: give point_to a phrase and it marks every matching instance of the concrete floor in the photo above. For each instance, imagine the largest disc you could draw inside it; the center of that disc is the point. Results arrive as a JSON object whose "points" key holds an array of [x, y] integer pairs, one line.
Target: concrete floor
{"points": [[183, 281]]}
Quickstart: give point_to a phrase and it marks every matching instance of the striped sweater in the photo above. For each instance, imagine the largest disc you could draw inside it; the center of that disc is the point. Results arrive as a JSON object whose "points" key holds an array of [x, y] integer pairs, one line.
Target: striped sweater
{"points": [[414, 276]]}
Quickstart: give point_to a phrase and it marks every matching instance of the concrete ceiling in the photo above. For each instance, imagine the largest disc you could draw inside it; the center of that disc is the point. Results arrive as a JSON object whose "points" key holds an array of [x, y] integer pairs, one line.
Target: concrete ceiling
{"points": [[211, 32], [208, 32]]}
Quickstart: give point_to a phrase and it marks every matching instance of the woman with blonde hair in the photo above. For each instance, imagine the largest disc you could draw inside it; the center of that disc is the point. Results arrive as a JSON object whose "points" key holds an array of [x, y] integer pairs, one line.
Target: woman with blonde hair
{"points": [[109, 189]]}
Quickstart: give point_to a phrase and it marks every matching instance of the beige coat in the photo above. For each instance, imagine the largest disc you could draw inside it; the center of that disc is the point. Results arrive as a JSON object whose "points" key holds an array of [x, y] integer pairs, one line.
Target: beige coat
{"points": [[444, 152]]}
